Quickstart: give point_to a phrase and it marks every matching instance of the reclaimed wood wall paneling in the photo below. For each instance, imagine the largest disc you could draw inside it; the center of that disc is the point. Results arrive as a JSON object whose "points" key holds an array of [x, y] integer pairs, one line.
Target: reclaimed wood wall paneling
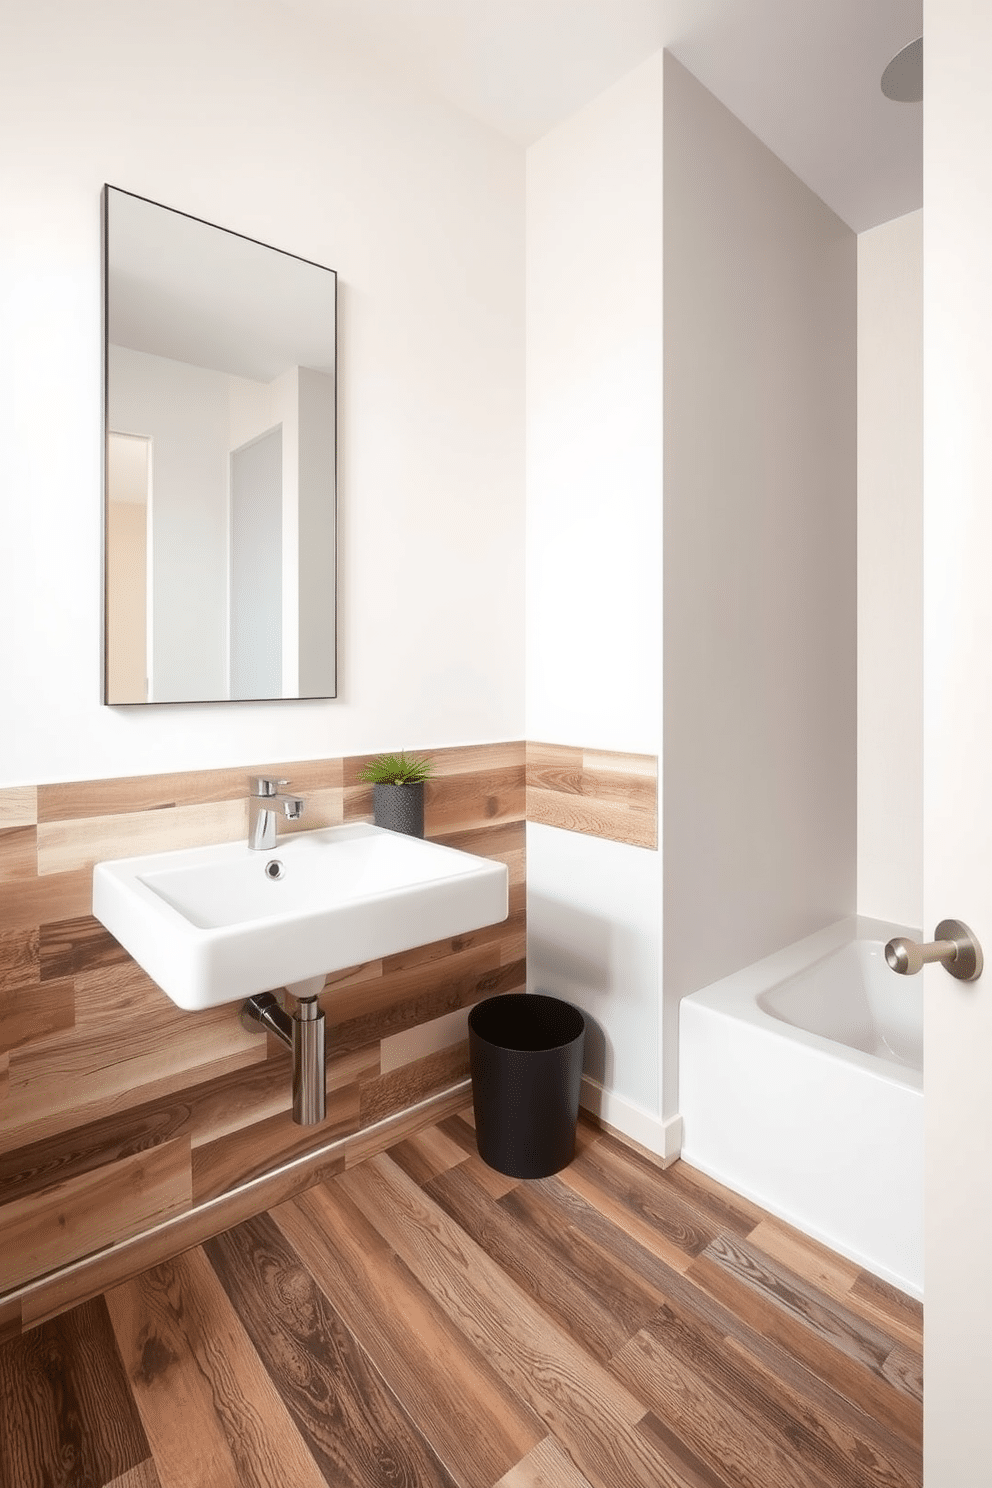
{"points": [[79, 1215], [74, 1121], [102, 1080], [596, 792], [53, 1294], [18, 806]]}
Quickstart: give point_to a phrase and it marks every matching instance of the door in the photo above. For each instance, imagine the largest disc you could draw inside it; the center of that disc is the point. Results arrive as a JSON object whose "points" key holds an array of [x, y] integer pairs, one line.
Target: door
{"points": [[128, 571], [957, 330], [256, 568]]}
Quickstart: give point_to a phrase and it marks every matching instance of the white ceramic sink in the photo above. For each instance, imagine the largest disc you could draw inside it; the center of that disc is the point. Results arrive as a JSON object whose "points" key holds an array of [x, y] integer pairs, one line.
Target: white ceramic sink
{"points": [[221, 923]]}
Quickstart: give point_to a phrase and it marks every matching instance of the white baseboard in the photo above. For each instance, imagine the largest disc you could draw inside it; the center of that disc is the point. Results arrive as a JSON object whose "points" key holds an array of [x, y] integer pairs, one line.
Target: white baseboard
{"points": [[660, 1137]]}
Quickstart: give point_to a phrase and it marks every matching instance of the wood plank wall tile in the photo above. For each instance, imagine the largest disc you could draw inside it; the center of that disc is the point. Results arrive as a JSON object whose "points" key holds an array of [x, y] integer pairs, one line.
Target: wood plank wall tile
{"points": [[70, 947], [34, 1012], [61, 1123], [140, 793], [126, 795], [379, 1007], [19, 958], [66, 846], [30, 902], [200, 1114], [413, 1083], [148, 1044], [235, 1104], [102, 1079], [220, 1166], [10, 1319], [18, 806], [595, 792], [81, 823], [86, 1213], [473, 786], [398, 1049], [18, 853], [46, 1298]]}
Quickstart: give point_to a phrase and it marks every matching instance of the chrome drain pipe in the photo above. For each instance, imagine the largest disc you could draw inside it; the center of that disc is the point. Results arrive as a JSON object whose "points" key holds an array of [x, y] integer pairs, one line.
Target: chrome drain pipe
{"points": [[303, 1032], [309, 1082]]}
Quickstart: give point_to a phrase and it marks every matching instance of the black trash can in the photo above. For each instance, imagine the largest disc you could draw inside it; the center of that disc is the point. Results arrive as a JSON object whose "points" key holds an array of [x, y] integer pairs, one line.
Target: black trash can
{"points": [[526, 1057]]}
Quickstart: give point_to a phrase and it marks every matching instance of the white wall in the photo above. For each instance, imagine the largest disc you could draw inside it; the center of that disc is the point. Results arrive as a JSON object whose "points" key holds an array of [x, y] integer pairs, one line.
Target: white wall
{"points": [[594, 939], [594, 438], [655, 200], [890, 571], [760, 563], [247, 115], [594, 453]]}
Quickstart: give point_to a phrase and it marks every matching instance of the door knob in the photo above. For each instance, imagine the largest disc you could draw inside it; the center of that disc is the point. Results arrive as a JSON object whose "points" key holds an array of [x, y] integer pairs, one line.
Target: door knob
{"points": [[953, 945]]}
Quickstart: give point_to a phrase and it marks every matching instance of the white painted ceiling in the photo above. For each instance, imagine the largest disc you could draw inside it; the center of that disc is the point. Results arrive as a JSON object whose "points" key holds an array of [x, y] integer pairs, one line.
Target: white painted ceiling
{"points": [[803, 75]]}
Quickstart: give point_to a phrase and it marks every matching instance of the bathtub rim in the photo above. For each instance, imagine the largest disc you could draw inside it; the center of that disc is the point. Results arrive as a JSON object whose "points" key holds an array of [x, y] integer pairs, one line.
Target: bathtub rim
{"points": [[736, 996]]}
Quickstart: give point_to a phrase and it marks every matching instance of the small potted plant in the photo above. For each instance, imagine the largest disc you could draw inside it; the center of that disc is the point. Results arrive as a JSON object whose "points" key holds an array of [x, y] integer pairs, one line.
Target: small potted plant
{"points": [[397, 782]]}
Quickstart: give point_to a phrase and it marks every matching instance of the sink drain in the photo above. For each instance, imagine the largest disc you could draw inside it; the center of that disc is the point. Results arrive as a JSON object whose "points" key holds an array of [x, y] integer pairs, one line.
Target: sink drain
{"points": [[274, 868]]}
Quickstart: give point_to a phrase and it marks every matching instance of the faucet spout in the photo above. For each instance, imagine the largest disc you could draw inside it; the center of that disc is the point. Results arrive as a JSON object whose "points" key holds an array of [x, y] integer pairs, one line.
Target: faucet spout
{"points": [[264, 804]]}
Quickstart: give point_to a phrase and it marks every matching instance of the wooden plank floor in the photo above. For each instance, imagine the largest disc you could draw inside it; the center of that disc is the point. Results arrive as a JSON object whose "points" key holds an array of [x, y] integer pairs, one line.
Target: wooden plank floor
{"points": [[422, 1320]]}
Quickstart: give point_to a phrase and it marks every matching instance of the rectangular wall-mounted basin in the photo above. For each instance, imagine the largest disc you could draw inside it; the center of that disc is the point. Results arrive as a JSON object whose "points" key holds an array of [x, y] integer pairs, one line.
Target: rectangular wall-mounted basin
{"points": [[221, 923]]}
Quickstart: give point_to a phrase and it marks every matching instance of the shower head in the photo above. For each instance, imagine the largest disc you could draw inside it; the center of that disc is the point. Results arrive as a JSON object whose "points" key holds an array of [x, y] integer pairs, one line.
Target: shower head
{"points": [[902, 80]]}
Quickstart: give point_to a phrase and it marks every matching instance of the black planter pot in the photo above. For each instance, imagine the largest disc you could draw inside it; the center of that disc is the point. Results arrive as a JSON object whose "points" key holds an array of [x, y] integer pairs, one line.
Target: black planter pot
{"points": [[400, 808]]}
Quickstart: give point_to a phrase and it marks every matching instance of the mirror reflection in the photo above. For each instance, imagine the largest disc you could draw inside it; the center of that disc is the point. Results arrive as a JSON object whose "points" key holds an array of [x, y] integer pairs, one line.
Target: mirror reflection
{"points": [[220, 463]]}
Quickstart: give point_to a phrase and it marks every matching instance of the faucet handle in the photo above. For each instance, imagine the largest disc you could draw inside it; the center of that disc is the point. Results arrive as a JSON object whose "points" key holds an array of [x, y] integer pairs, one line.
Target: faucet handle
{"points": [[266, 785]]}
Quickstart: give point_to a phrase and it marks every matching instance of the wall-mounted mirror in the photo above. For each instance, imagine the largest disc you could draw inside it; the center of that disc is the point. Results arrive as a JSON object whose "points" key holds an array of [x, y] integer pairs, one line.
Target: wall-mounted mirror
{"points": [[220, 463]]}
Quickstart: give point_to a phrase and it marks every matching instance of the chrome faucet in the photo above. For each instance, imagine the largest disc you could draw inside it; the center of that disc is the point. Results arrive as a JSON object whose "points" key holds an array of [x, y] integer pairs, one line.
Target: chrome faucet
{"points": [[264, 805]]}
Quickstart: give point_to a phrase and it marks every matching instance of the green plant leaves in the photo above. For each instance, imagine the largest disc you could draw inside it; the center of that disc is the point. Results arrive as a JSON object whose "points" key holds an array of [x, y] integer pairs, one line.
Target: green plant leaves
{"points": [[396, 769]]}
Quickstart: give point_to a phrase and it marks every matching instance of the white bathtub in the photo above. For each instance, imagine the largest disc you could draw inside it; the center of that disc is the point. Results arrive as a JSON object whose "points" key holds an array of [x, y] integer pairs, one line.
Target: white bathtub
{"points": [[801, 1087]]}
